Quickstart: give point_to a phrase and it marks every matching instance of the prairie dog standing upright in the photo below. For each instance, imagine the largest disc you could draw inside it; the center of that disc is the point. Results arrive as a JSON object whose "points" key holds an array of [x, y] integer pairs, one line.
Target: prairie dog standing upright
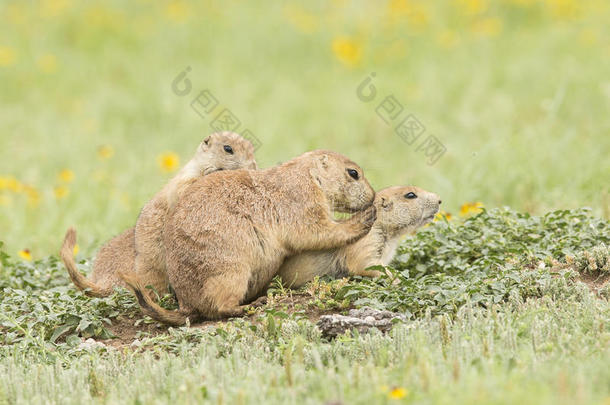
{"points": [[229, 232], [400, 210], [219, 151]]}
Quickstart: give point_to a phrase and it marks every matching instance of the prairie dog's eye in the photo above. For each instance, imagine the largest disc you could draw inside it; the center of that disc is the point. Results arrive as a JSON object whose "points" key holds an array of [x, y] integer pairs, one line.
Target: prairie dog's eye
{"points": [[353, 173], [410, 195], [228, 149]]}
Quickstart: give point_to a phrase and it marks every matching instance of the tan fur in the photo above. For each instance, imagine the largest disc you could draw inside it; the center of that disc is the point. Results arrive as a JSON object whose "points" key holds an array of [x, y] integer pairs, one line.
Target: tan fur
{"points": [[119, 254], [116, 254], [230, 231], [396, 216]]}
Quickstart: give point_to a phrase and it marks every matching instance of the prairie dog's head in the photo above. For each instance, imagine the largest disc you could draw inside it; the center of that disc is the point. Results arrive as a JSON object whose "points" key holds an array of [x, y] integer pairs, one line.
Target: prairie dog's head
{"points": [[402, 209], [342, 181], [224, 151]]}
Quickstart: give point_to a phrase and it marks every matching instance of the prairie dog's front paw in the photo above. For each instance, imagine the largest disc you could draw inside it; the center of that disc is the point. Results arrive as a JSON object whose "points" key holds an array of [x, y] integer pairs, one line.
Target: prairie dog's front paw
{"points": [[365, 219], [369, 216]]}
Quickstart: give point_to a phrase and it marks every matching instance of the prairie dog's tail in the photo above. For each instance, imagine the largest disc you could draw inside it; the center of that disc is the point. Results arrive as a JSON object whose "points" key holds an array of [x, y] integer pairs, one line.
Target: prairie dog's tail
{"points": [[149, 307], [67, 256]]}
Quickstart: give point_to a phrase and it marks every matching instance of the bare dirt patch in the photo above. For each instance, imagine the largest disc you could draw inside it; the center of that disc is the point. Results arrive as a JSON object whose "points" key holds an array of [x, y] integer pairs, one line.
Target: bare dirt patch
{"points": [[595, 281], [127, 330]]}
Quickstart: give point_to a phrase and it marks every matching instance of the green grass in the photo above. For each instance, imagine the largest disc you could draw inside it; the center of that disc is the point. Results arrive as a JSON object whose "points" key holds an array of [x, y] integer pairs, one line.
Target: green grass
{"points": [[504, 307], [533, 353]]}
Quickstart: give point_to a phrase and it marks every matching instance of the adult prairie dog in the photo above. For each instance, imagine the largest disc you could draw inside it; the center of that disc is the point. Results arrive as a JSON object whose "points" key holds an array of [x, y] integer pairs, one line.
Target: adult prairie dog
{"points": [[400, 210], [228, 234], [219, 151]]}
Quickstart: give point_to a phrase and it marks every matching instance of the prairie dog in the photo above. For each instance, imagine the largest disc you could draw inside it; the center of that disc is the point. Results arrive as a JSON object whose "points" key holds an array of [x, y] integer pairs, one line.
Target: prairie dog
{"points": [[230, 231], [400, 210], [219, 151]]}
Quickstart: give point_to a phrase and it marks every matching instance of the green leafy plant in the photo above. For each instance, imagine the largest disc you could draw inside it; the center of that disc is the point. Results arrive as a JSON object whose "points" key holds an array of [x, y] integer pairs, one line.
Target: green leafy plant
{"points": [[488, 258], [595, 260], [39, 303]]}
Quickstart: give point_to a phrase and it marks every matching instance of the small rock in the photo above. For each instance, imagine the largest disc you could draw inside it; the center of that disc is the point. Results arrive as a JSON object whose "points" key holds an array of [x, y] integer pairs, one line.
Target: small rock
{"points": [[90, 344], [362, 320]]}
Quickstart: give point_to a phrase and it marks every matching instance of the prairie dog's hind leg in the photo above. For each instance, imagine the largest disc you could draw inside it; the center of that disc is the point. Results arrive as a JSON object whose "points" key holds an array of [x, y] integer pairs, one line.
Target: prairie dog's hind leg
{"points": [[222, 295]]}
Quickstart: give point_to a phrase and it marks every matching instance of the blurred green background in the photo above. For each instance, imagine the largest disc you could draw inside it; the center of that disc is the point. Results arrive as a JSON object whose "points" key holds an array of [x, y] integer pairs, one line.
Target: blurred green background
{"points": [[517, 91]]}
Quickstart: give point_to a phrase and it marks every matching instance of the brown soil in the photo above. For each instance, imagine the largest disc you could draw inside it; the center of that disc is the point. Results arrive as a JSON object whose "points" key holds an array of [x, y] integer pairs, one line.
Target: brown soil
{"points": [[127, 332], [595, 281]]}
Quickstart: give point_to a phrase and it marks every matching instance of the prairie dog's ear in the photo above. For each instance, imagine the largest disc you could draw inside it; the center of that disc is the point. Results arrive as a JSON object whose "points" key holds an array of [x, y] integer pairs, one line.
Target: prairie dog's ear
{"points": [[323, 161], [315, 172], [205, 144], [386, 204], [318, 168]]}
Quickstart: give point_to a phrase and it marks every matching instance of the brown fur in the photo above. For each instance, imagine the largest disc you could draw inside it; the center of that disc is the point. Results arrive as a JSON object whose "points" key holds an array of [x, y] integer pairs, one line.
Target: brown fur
{"points": [[396, 216], [230, 232], [119, 254]]}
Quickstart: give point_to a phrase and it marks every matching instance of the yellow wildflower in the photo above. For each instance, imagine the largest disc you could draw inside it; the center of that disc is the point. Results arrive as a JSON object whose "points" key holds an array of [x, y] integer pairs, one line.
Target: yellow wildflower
{"points": [[105, 152], [168, 162], [347, 50], [33, 196], [398, 8], [5, 200], [487, 27], [300, 18], [7, 56], [563, 9], [177, 11], [447, 39], [418, 17], [473, 7], [75, 250], [102, 16], [16, 14], [416, 13], [442, 214], [51, 8], [471, 208], [61, 192], [26, 255], [66, 176], [14, 185], [398, 393], [47, 63], [523, 3]]}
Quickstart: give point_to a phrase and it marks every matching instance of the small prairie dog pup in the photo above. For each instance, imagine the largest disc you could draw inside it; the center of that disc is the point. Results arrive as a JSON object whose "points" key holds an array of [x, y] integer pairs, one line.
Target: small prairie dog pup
{"points": [[228, 234], [219, 151], [400, 210]]}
